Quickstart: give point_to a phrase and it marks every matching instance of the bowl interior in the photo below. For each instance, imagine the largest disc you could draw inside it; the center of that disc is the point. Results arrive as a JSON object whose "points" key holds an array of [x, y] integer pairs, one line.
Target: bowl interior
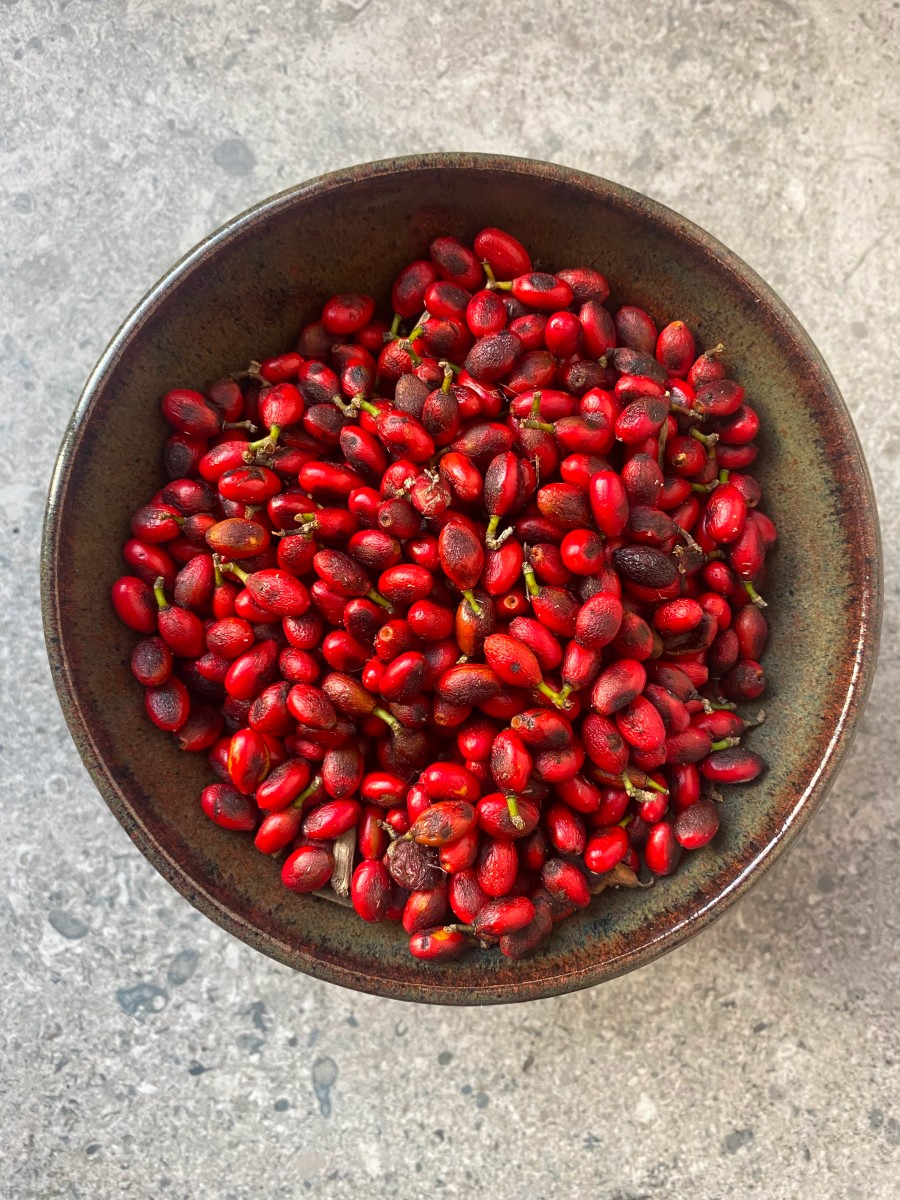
{"points": [[243, 295]]}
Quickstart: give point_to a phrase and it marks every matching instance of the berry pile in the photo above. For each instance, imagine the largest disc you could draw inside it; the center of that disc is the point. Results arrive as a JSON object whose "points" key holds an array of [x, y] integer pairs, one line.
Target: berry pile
{"points": [[465, 631]]}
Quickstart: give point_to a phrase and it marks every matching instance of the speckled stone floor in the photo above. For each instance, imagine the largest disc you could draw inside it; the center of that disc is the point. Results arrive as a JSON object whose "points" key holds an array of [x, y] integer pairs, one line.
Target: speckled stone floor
{"points": [[147, 1054]]}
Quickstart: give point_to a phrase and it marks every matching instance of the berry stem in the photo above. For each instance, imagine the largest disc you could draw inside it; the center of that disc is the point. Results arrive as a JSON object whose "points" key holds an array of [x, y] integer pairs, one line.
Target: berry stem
{"points": [[254, 371], [512, 803], [531, 583], [377, 598], [725, 743], [312, 787], [754, 595], [709, 441], [559, 700], [387, 718], [159, 592], [265, 445], [689, 540], [655, 787], [492, 529], [234, 569], [473, 603], [682, 410], [389, 830]]}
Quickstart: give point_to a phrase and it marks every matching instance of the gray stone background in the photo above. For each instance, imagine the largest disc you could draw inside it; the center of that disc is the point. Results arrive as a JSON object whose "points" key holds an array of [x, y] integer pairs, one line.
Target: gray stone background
{"points": [[144, 1052]]}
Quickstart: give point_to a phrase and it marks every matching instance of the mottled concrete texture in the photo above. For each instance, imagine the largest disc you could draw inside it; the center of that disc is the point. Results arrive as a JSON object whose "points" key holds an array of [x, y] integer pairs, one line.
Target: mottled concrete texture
{"points": [[144, 1052]]}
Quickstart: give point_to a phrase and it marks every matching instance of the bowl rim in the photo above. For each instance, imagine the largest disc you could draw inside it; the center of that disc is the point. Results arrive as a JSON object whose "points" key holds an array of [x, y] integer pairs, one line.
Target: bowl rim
{"points": [[851, 468]]}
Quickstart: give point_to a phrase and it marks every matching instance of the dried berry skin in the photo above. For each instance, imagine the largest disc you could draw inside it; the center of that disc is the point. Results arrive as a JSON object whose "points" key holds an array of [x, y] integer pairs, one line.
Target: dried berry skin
{"points": [[645, 565], [412, 866]]}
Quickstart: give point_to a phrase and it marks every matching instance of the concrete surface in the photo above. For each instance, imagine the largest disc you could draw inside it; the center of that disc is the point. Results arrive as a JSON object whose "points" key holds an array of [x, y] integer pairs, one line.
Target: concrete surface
{"points": [[147, 1054]]}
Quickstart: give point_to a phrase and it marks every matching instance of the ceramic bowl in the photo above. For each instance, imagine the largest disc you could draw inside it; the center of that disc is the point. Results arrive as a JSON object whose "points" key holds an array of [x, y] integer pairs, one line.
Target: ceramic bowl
{"points": [[243, 294]]}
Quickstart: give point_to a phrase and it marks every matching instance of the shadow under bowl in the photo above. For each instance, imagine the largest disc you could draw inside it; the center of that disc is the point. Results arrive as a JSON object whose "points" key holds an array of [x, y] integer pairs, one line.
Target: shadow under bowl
{"points": [[243, 294]]}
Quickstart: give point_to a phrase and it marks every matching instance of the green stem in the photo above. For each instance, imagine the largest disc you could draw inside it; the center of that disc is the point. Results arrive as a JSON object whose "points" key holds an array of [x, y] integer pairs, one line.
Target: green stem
{"points": [[705, 487], [532, 424], [248, 425], [754, 594], [723, 475], [535, 406], [448, 377], [366, 405], [348, 409], [656, 787], [531, 584], [706, 439], [473, 603], [647, 784], [314, 784], [492, 527], [395, 324], [159, 592], [489, 272], [377, 598], [512, 803], [265, 445], [234, 569], [725, 743], [387, 718], [558, 698], [308, 524]]}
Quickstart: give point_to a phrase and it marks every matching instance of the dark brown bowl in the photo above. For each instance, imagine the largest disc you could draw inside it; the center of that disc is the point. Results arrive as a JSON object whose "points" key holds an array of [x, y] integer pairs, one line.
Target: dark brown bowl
{"points": [[243, 293]]}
